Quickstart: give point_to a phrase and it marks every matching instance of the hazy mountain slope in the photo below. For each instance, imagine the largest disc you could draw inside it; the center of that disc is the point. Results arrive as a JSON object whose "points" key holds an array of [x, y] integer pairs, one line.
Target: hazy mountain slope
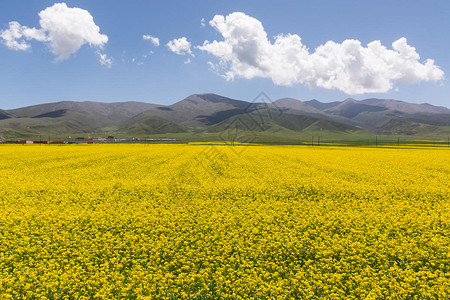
{"points": [[148, 124], [405, 107], [69, 117], [374, 113], [83, 121], [4, 115], [297, 107], [402, 126], [322, 105], [299, 123], [350, 108], [67, 122], [373, 120], [269, 120], [210, 113], [431, 119], [200, 110], [289, 104], [114, 112]]}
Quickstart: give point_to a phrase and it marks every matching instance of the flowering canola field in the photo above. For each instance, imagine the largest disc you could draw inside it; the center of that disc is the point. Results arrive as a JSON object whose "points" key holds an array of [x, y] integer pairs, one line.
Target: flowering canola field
{"points": [[219, 222]]}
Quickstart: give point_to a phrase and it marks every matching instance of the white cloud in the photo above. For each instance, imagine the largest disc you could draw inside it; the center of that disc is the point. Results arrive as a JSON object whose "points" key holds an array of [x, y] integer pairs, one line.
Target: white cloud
{"points": [[146, 55], [16, 36], [12, 35], [180, 46], [188, 61], [154, 40], [202, 22], [65, 30], [350, 67], [104, 59], [70, 28]]}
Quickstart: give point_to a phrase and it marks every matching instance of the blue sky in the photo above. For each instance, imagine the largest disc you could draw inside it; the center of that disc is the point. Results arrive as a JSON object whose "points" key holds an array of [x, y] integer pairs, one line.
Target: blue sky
{"points": [[136, 69]]}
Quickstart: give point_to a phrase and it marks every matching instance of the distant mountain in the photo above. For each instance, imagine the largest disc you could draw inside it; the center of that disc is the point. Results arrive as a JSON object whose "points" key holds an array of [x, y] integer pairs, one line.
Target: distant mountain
{"points": [[147, 124], [350, 108], [210, 114], [262, 120], [405, 107], [58, 122], [403, 126], [297, 107], [431, 119], [4, 115], [110, 112], [321, 105], [68, 117], [381, 115], [200, 110], [293, 105]]}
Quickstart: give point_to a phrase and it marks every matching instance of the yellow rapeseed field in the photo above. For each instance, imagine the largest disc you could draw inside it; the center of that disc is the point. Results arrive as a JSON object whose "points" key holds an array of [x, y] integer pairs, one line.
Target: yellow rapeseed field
{"points": [[220, 222]]}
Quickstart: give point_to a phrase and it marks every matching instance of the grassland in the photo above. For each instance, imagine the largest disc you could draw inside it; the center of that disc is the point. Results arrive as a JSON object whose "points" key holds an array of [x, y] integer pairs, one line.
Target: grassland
{"points": [[221, 222]]}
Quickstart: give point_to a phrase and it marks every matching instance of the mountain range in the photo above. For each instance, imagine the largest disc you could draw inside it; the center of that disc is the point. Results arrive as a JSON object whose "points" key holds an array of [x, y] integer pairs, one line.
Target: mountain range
{"points": [[212, 115]]}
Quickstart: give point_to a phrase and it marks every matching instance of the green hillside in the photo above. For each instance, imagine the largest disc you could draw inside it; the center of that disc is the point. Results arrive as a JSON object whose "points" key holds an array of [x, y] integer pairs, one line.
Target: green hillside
{"points": [[144, 125], [210, 117]]}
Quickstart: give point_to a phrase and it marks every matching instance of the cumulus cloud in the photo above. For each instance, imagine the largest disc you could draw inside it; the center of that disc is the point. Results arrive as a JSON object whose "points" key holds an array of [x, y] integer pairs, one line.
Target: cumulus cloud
{"points": [[180, 46], [65, 30], [154, 40], [12, 35], [350, 67], [202, 22], [16, 37]]}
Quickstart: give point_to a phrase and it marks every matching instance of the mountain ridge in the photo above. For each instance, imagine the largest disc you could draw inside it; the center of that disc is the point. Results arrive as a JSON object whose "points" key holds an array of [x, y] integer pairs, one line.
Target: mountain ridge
{"points": [[208, 112]]}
